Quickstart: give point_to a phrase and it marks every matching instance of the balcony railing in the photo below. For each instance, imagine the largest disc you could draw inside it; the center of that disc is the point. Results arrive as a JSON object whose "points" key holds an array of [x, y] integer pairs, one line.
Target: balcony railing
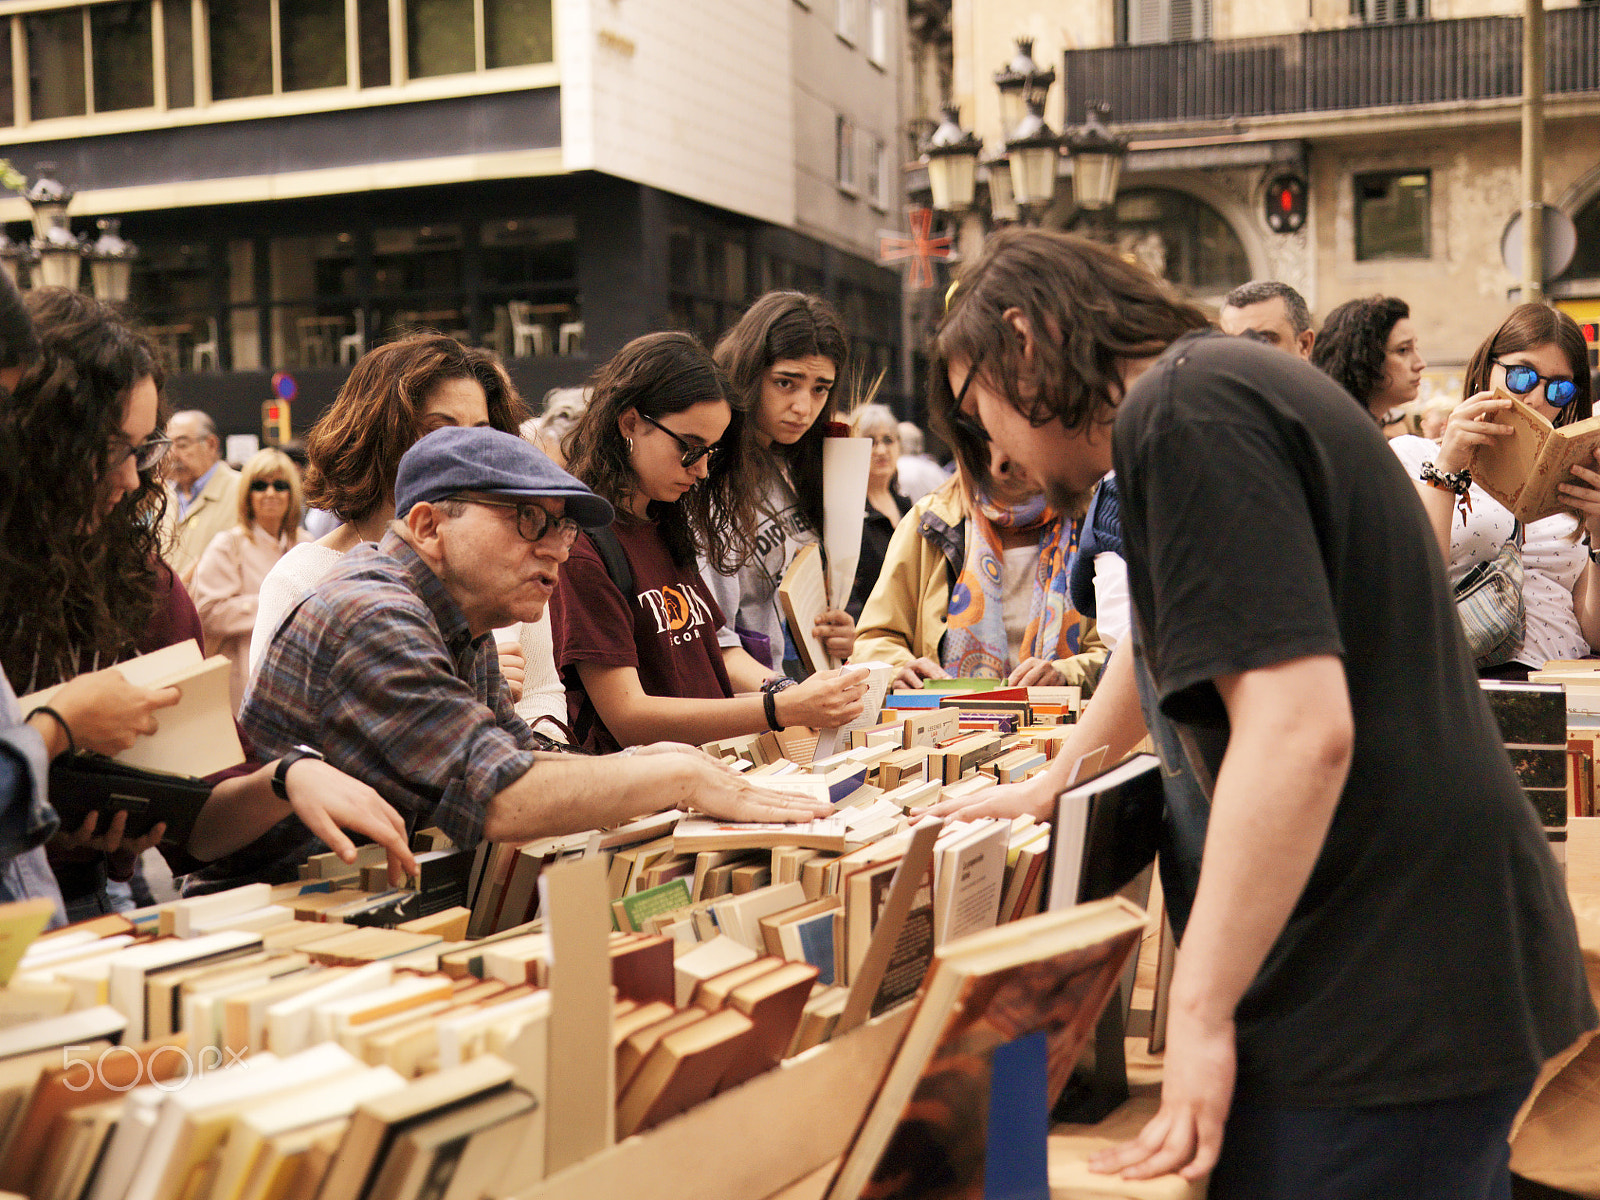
{"points": [[1373, 66]]}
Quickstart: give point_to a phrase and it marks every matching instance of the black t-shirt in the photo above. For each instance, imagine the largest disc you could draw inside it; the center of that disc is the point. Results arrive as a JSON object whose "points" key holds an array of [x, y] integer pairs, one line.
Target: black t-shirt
{"points": [[667, 630], [1432, 954]]}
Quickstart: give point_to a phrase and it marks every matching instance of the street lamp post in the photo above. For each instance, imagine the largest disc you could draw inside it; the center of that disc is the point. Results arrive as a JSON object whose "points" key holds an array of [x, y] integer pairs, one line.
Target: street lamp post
{"points": [[952, 164], [111, 262], [1097, 157], [60, 254], [1035, 154]]}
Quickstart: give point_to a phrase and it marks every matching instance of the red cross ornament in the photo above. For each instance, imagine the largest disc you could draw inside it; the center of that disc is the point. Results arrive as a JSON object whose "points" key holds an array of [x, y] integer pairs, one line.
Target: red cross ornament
{"points": [[921, 248]]}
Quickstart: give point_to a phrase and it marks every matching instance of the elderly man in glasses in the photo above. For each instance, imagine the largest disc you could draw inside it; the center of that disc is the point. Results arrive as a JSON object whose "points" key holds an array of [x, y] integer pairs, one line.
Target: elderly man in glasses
{"points": [[202, 491], [388, 668]]}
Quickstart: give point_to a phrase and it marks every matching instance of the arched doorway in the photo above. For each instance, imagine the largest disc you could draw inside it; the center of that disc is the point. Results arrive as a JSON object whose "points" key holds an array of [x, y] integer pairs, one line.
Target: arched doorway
{"points": [[1183, 239], [1577, 289]]}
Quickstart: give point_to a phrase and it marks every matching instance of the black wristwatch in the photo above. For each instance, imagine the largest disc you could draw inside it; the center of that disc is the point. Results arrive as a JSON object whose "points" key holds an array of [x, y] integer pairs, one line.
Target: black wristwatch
{"points": [[280, 776], [769, 698]]}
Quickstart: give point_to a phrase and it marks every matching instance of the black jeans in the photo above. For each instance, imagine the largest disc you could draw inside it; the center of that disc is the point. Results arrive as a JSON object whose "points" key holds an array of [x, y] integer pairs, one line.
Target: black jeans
{"points": [[1446, 1150]]}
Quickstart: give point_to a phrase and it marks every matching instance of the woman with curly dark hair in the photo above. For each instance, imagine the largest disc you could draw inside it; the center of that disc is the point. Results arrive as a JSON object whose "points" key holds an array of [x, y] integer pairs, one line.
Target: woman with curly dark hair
{"points": [[784, 359], [661, 440], [1538, 355], [83, 587], [1370, 348]]}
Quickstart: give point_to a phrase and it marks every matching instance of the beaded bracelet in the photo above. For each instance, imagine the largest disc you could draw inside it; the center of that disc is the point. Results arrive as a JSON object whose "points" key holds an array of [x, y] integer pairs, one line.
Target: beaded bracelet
{"points": [[1457, 482]]}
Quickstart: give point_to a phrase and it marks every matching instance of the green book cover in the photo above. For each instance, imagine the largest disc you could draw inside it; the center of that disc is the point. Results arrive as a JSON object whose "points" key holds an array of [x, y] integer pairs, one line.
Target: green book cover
{"points": [[962, 685], [652, 902]]}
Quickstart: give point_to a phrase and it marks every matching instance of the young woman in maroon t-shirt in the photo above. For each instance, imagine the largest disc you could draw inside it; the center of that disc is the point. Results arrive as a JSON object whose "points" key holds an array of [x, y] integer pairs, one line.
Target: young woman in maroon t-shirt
{"points": [[644, 667]]}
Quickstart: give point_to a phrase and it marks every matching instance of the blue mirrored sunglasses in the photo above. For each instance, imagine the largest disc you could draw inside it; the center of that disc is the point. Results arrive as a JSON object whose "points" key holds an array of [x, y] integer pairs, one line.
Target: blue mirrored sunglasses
{"points": [[1520, 380]]}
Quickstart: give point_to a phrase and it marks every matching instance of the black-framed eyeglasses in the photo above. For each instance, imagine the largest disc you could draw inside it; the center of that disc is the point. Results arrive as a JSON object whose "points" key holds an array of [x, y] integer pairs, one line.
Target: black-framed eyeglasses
{"points": [[147, 455], [261, 485], [960, 422], [692, 453], [534, 524], [1522, 379]]}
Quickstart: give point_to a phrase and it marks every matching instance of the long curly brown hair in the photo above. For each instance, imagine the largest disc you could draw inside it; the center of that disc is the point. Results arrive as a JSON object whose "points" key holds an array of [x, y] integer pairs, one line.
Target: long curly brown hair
{"points": [[76, 586], [659, 374]]}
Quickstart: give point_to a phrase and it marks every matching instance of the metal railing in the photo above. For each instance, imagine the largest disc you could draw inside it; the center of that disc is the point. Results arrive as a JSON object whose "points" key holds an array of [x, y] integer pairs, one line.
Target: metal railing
{"points": [[1371, 66]]}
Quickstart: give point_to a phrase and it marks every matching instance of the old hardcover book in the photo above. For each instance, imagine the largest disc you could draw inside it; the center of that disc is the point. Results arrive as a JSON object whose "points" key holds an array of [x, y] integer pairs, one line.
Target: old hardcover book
{"points": [[1524, 471], [684, 1069], [1105, 831], [197, 735], [803, 597], [1050, 975], [376, 1122]]}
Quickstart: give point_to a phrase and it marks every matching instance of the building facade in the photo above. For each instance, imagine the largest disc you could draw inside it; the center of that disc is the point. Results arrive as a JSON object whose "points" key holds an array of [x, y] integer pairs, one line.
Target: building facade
{"points": [[1401, 118], [550, 178]]}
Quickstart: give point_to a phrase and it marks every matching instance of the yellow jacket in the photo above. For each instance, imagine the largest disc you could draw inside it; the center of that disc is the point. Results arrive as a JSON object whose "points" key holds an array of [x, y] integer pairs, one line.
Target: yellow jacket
{"points": [[905, 616]]}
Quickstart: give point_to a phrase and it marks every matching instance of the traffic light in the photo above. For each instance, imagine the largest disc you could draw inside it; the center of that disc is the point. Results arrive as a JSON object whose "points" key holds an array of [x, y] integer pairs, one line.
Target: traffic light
{"points": [[1286, 204], [275, 427]]}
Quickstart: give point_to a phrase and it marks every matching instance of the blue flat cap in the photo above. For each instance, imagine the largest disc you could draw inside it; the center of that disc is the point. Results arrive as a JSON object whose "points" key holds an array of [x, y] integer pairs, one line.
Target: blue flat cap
{"points": [[453, 460]]}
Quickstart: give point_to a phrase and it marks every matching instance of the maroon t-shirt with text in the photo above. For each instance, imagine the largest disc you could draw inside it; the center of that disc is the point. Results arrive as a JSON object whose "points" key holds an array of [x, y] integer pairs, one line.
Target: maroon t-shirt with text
{"points": [[667, 630]]}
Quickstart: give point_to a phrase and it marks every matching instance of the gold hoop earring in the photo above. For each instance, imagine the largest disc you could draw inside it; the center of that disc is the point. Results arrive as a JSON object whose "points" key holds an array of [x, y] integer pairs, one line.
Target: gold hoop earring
{"points": [[629, 440]]}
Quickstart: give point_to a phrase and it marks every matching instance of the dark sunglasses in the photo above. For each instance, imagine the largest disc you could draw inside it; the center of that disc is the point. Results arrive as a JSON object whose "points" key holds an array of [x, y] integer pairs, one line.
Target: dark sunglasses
{"points": [[533, 523], [261, 485], [147, 455], [1520, 380], [691, 452], [959, 420]]}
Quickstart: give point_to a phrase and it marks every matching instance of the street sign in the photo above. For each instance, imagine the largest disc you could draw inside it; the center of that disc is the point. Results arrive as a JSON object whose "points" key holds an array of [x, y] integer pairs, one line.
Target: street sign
{"points": [[1560, 242]]}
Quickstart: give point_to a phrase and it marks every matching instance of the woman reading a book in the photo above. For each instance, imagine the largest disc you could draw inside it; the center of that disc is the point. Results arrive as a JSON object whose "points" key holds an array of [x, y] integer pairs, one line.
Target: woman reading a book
{"points": [[1538, 355], [784, 358], [975, 580], [83, 587], [635, 625]]}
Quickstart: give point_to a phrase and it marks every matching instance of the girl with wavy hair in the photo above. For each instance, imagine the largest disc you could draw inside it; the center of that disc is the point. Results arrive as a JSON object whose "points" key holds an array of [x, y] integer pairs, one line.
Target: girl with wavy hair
{"points": [[635, 625], [83, 587], [1369, 347], [784, 360]]}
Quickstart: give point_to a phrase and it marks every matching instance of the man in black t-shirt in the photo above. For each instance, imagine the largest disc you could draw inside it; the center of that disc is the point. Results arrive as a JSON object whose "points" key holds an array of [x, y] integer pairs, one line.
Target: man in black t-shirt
{"points": [[1376, 949]]}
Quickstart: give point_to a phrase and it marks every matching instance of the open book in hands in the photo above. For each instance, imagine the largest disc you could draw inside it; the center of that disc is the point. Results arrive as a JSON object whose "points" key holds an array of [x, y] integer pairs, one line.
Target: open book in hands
{"points": [[1524, 471]]}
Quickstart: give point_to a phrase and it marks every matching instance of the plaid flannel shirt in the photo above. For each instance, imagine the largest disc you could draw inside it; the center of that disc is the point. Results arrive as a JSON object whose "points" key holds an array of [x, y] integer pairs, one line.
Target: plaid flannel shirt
{"points": [[377, 669]]}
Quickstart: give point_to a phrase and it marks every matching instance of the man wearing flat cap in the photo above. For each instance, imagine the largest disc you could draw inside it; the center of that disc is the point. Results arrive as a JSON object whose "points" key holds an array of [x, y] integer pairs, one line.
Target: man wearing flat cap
{"points": [[388, 667]]}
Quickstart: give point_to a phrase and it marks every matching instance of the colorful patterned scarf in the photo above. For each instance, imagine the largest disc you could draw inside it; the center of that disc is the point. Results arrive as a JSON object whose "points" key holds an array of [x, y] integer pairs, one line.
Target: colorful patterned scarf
{"points": [[975, 644]]}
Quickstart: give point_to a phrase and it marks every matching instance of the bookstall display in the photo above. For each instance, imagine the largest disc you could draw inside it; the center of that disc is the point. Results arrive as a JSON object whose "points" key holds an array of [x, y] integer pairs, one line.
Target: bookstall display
{"points": [[562, 1018]]}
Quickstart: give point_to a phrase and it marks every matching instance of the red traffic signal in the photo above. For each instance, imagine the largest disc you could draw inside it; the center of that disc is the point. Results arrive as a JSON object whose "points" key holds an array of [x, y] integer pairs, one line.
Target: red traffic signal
{"points": [[1286, 204], [275, 422]]}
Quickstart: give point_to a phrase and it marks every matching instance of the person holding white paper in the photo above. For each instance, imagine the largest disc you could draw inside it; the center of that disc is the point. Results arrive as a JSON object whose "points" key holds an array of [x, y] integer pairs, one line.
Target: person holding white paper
{"points": [[783, 358], [660, 441], [82, 587]]}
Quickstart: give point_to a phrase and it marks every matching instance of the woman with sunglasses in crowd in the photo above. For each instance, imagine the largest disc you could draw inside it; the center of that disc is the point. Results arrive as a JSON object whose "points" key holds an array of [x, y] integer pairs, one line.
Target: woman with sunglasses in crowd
{"points": [[227, 579], [1538, 355], [635, 626]]}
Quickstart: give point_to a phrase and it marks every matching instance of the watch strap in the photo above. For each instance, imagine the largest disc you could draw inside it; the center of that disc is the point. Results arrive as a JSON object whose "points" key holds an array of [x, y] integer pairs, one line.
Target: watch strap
{"points": [[280, 774]]}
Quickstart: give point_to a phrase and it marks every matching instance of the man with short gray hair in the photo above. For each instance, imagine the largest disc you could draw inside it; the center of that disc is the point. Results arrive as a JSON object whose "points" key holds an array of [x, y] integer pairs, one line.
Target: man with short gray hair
{"points": [[1269, 312], [202, 491]]}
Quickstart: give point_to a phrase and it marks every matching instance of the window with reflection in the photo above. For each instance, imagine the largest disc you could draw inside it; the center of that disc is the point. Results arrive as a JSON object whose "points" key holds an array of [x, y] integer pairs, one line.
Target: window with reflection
{"points": [[311, 33], [441, 37], [241, 48], [1393, 215], [178, 33], [517, 33], [119, 38], [55, 63]]}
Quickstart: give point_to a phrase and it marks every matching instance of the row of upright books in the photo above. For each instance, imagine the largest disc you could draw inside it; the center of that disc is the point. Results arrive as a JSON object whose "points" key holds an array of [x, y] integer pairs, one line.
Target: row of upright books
{"points": [[533, 1020]]}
